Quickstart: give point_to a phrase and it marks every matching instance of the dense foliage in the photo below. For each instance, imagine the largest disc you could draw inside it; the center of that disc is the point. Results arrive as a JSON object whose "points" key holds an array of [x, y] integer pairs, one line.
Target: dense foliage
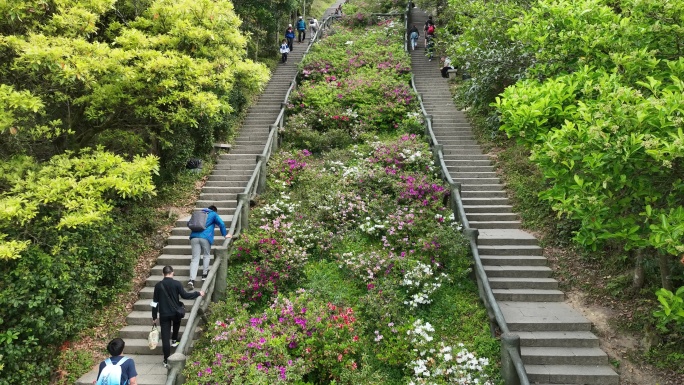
{"points": [[97, 98], [355, 272], [592, 91]]}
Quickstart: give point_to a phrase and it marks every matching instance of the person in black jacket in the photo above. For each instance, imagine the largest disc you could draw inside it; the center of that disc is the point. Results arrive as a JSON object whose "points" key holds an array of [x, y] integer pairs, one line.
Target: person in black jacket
{"points": [[164, 303]]}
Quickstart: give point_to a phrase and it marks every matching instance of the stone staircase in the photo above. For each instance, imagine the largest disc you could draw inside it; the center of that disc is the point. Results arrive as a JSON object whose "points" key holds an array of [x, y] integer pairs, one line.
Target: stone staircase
{"points": [[557, 345], [230, 176]]}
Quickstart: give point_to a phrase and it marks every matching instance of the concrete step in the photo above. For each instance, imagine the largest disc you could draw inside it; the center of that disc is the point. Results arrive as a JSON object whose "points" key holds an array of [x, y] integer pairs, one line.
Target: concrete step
{"points": [[481, 187], [542, 316], [484, 201], [144, 318], [467, 162], [226, 183], [233, 173], [220, 196], [513, 260], [495, 224], [510, 250], [528, 295], [175, 259], [222, 190], [140, 331], [144, 304], [483, 194], [572, 374], [580, 339], [235, 166], [563, 356], [503, 237], [518, 271], [475, 209], [467, 168], [200, 204], [229, 178], [475, 178], [182, 278], [523, 283], [497, 217]]}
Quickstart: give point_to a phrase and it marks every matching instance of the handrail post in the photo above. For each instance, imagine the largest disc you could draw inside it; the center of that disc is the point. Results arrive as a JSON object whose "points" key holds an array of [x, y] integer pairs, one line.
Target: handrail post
{"points": [[177, 361], [283, 106], [509, 342], [436, 149], [221, 280], [428, 125], [454, 187], [244, 215], [261, 183], [274, 143], [471, 234]]}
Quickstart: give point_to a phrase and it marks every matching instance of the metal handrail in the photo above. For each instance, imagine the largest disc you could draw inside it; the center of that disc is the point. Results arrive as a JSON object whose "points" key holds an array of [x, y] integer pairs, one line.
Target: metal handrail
{"points": [[485, 290], [239, 223]]}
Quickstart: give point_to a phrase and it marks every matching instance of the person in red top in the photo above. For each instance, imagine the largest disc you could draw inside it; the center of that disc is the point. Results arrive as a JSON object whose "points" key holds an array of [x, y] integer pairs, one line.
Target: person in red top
{"points": [[429, 29]]}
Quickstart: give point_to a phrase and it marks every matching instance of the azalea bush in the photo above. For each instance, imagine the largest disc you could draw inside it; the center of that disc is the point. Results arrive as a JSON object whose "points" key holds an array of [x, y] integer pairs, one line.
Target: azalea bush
{"points": [[352, 247]]}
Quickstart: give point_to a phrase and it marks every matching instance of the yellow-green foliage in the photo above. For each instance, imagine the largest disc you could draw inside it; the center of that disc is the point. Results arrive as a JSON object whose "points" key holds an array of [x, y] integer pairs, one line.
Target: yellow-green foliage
{"points": [[168, 70], [78, 191]]}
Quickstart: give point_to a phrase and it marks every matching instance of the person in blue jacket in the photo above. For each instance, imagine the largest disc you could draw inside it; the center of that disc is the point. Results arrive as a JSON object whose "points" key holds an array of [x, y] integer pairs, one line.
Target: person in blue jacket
{"points": [[200, 243], [301, 29], [290, 35]]}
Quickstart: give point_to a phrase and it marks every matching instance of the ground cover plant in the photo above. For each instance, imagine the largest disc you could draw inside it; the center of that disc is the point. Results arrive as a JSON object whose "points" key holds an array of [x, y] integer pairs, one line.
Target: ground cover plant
{"points": [[354, 271]]}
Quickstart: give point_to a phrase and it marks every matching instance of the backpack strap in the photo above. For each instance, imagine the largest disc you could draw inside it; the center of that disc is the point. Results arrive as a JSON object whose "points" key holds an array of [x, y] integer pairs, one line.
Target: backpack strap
{"points": [[108, 362], [122, 360]]}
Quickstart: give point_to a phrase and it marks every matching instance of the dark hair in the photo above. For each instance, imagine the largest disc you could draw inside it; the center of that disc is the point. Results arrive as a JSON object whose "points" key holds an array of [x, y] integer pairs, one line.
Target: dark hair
{"points": [[430, 17], [167, 270], [212, 208], [116, 347]]}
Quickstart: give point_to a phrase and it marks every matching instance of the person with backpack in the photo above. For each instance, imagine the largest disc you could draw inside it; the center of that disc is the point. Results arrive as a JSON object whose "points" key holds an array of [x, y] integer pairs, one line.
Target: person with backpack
{"points": [[313, 24], [301, 29], [117, 369], [413, 34], [429, 29], [202, 224], [284, 50], [165, 309], [289, 36]]}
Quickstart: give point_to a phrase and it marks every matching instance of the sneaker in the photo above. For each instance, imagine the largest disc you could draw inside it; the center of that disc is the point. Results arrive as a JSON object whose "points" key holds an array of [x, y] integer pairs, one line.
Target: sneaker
{"points": [[191, 284], [166, 364], [174, 343], [204, 276]]}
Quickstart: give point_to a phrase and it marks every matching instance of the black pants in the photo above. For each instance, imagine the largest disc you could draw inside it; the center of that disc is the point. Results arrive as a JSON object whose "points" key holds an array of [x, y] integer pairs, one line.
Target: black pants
{"points": [[284, 57], [301, 35], [290, 43], [166, 323], [445, 71]]}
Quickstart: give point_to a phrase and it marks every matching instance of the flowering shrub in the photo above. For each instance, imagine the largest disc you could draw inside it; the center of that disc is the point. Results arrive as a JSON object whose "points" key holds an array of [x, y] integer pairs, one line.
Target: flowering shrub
{"points": [[421, 282], [352, 243], [297, 337], [442, 365], [272, 261], [288, 166]]}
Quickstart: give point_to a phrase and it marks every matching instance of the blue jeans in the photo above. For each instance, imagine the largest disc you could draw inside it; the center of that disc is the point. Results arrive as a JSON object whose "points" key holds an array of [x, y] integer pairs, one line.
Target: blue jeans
{"points": [[199, 246]]}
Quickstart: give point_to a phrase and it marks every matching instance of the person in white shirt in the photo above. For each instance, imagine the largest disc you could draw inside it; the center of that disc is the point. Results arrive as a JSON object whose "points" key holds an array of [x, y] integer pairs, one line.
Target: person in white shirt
{"points": [[446, 67]]}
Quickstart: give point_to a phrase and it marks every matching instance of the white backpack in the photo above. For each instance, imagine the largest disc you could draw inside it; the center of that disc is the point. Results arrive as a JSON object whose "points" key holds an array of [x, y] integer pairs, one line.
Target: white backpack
{"points": [[111, 374]]}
